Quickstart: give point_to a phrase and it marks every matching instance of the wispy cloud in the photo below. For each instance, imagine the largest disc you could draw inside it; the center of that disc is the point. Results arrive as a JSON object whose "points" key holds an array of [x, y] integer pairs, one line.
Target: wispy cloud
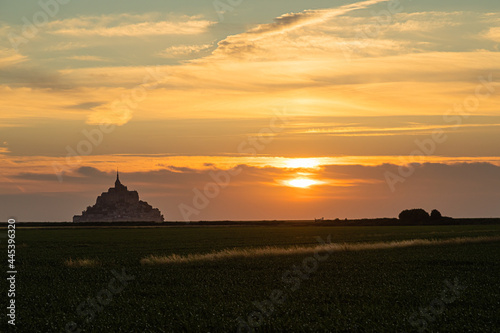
{"points": [[287, 23], [293, 21], [427, 21], [183, 50], [4, 28], [419, 129], [493, 34], [9, 57], [66, 46], [129, 25], [87, 58]]}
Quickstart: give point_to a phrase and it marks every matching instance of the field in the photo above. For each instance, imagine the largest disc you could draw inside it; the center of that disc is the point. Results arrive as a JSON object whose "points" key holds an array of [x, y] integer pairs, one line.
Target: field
{"points": [[65, 280]]}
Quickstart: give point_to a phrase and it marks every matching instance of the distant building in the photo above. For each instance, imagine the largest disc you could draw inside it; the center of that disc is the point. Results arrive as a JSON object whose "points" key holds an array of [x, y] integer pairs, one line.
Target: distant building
{"points": [[120, 205]]}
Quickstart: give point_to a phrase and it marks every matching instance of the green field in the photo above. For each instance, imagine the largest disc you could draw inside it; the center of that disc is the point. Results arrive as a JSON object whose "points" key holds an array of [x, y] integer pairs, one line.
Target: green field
{"points": [[354, 291]]}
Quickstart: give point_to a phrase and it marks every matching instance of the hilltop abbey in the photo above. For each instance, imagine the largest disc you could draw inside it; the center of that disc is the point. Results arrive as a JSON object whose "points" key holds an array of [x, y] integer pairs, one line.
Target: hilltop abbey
{"points": [[120, 205]]}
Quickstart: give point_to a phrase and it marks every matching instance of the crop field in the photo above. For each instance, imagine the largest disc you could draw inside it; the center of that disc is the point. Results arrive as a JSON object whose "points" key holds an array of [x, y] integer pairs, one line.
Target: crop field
{"points": [[258, 278]]}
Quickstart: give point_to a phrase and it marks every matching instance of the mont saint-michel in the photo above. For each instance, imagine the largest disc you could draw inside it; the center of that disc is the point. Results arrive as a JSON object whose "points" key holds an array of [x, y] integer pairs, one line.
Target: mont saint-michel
{"points": [[119, 204]]}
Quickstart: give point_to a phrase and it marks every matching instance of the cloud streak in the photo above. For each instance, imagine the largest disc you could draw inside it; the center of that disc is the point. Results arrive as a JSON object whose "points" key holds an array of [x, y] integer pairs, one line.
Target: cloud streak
{"points": [[125, 25], [9, 57], [87, 58], [287, 23], [183, 50]]}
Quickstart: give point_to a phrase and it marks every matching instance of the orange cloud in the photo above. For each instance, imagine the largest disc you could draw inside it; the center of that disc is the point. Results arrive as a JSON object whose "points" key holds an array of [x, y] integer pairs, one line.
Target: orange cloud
{"points": [[298, 62]]}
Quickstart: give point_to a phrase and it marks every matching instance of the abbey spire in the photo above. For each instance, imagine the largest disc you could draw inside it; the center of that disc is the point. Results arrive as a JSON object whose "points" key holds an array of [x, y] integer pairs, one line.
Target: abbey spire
{"points": [[117, 182]]}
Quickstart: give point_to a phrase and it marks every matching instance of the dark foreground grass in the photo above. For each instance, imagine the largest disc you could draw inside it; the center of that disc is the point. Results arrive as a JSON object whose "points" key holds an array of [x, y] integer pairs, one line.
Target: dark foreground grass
{"points": [[365, 291]]}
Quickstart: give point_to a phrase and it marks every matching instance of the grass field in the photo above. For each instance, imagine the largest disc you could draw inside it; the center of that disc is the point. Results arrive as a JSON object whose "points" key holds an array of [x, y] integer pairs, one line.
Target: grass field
{"points": [[65, 275]]}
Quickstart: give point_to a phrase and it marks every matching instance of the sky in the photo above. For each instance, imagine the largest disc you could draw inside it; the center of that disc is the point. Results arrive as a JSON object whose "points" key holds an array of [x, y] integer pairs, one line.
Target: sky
{"points": [[246, 110]]}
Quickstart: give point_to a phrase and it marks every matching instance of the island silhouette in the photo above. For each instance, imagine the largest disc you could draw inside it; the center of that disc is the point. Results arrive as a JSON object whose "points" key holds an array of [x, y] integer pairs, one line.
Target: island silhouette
{"points": [[119, 204]]}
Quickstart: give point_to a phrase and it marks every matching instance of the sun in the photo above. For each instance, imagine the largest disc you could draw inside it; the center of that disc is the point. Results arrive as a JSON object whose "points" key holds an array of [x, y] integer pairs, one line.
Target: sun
{"points": [[301, 182]]}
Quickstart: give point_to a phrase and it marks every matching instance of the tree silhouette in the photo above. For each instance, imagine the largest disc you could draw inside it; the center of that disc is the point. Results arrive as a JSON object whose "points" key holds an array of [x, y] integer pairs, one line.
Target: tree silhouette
{"points": [[414, 215], [436, 215]]}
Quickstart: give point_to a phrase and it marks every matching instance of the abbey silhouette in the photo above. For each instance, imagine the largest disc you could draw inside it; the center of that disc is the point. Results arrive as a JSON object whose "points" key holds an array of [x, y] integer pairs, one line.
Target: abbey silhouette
{"points": [[119, 205]]}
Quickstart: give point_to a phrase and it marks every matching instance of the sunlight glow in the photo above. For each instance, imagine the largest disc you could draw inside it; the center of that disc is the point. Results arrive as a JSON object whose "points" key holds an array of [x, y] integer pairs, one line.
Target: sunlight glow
{"points": [[301, 182], [307, 163]]}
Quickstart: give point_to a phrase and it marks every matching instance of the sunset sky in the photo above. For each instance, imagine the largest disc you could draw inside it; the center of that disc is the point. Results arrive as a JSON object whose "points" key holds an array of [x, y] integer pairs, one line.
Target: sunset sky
{"points": [[303, 109]]}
